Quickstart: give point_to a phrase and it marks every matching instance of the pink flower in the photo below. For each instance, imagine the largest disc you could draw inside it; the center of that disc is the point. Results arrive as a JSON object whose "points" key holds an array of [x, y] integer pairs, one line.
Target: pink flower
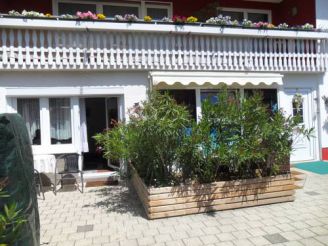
{"points": [[86, 15]]}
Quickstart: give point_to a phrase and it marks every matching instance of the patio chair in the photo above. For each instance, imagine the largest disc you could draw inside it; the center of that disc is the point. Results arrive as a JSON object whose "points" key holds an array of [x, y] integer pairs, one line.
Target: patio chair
{"points": [[67, 166], [38, 183]]}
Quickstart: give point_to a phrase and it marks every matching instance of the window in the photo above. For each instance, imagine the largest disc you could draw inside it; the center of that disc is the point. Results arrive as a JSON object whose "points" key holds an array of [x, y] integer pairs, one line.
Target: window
{"points": [[253, 15], [158, 13], [29, 109], [60, 120], [72, 8], [112, 10], [239, 16], [298, 111], [184, 97], [269, 97], [257, 17], [139, 8], [212, 95]]}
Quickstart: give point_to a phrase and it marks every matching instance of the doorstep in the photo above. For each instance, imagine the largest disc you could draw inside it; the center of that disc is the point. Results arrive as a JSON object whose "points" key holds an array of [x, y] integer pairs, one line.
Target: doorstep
{"points": [[100, 175]]}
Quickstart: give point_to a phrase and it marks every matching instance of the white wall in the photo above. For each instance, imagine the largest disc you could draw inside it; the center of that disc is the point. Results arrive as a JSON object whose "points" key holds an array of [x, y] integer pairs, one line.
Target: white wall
{"points": [[133, 85], [311, 83], [322, 13], [323, 91]]}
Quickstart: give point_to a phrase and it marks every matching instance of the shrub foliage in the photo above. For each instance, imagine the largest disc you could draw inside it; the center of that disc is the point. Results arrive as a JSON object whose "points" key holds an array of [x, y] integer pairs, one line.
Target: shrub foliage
{"points": [[235, 138]]}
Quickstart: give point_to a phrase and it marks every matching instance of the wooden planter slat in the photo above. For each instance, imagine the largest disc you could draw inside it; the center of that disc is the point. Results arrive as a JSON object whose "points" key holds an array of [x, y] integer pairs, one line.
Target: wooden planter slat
{"points": [[217, 196], [153, 191], [220, 207], [191, 199], [221, 201], [175, 192]]}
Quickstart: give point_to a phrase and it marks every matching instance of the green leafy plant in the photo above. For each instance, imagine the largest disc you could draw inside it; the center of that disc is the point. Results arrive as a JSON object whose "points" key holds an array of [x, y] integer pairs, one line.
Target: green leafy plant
{"points": [[150, 140], [235, 138], [11, 221]]}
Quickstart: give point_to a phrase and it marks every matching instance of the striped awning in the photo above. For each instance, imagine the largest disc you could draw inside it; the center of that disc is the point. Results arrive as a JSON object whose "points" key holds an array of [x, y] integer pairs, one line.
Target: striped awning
{"points": [[214, 78]]}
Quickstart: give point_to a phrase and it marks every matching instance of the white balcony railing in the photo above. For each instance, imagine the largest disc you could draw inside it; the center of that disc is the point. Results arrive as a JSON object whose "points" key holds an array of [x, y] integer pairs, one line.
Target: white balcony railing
{"points": [[36, 44]]}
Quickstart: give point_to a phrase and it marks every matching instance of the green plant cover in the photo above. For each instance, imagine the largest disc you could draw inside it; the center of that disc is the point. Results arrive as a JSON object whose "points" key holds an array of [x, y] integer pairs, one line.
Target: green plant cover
{"points": [[18, 201]]}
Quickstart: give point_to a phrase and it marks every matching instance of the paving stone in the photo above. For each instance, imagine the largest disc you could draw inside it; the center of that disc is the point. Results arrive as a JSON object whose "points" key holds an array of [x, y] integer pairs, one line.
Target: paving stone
{"points": [[291, 236], [174, 243], [208, 239], [146, 241], [193, 241], [275, 238], [116, 213], [312, 242], [312, 193], [293, 243], [242, 242], [84, 228], [259, 241], [163, 238], [225, 237]]}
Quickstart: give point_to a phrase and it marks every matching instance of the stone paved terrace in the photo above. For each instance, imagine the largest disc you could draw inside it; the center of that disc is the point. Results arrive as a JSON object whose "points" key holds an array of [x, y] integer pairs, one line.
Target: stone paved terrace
{"points": [[113, 216]]}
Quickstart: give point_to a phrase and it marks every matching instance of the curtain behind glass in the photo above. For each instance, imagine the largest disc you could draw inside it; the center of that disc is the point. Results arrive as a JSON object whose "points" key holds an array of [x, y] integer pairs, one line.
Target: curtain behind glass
{"points": [[29, 109], [60, 120]]}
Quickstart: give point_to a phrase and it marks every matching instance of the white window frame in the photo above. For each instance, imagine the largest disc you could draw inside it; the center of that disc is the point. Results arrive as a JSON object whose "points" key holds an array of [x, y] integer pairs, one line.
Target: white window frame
{"points": [[168, 7], [142, 5], [122, 5], [46, 147], [247, 11]]}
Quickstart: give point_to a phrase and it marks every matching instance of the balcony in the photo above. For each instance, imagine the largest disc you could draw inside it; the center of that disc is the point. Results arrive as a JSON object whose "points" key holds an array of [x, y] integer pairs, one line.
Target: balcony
{"points": [[50, 44]]}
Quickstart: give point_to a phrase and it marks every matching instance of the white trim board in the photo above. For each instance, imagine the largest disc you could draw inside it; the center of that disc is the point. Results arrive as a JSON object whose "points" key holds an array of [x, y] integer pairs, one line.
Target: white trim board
{"points": [[247, 11], [63, 91]]}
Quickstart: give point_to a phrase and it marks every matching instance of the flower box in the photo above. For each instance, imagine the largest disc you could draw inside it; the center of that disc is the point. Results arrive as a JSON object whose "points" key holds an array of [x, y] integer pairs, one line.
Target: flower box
{"points": [[200, 198]]}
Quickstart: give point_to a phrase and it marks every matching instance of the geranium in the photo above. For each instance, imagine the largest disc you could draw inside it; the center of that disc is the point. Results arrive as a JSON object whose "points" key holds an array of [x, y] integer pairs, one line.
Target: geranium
{"points": [[271, 25], [166, 19], [14, 13], [247, 23], [179, 19], [86, 15], [118, 18], [191, 19], [220, 20], [130, 17], [67, 16], [261, 24], [147, 18], [32, 14], [308, 26], [283, 26], [101, 17]]}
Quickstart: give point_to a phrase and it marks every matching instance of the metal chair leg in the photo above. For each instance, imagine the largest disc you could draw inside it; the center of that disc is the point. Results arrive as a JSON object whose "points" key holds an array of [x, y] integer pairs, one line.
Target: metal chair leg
{"points": [[41, 186], [82, 183], [55, 184]]}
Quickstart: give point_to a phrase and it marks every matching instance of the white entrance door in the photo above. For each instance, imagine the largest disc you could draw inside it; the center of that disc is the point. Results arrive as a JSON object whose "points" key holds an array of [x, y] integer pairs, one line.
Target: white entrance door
{"points": [[303, 148]]}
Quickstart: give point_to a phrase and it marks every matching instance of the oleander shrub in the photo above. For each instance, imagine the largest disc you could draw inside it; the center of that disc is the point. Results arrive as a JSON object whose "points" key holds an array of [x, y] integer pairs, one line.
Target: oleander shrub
{"points": [[235, 138]]}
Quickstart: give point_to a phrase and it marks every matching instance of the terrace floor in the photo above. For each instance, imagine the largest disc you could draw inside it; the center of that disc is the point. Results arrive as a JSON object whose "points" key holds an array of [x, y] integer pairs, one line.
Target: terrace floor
{"points": [[112, 215]]}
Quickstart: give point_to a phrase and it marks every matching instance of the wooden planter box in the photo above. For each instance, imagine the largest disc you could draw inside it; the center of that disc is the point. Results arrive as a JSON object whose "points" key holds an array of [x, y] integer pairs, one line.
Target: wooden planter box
{"points": [[191, 199]]}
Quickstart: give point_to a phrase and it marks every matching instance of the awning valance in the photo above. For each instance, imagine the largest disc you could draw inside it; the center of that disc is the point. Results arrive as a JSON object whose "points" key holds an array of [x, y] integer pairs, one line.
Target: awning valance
{"points": [[214, 78]]}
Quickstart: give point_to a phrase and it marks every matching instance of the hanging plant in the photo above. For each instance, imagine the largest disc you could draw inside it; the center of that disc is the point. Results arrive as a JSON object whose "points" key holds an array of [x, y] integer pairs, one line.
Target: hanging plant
{"points": [[298, 101]]}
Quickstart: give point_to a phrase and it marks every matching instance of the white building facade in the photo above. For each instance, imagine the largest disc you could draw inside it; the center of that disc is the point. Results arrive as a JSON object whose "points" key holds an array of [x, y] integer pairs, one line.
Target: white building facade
{"points": [[69, 79]]}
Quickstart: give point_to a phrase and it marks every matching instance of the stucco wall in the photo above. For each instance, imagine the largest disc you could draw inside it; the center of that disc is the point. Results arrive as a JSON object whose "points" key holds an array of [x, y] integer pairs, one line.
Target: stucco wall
{"points": [[133, 84]]}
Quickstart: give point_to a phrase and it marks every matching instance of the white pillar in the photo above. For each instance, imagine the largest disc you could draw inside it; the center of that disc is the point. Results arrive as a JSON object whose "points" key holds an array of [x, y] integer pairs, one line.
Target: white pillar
{"points": [[3, 101]]}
